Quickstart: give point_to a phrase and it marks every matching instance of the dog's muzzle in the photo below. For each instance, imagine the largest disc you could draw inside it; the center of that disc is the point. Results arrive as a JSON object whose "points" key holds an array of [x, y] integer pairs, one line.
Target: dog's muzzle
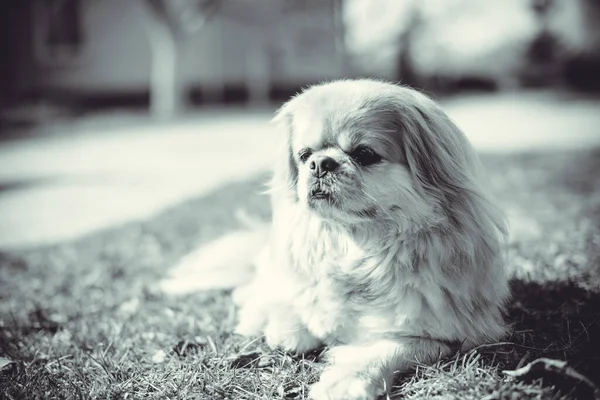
{"points": [[321, 165]]}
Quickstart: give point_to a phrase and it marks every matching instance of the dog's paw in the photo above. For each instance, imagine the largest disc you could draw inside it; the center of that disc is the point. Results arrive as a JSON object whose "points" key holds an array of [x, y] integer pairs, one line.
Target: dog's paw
{"points": [[285, 330], [287, 333], [337, 383], [251, 321]]}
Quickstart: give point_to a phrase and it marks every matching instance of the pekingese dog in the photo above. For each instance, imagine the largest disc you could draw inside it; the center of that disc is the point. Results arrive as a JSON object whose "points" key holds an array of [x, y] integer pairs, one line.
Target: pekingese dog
{"points": [[383, 247]]}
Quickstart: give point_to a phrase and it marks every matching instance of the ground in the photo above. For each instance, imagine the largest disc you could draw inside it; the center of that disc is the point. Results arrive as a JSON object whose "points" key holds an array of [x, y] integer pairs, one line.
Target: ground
{"points": [[83, 318]]}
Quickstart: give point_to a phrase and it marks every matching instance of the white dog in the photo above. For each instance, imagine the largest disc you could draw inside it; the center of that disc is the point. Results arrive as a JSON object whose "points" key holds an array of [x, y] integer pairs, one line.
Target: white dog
{"points": [[383, 245]]}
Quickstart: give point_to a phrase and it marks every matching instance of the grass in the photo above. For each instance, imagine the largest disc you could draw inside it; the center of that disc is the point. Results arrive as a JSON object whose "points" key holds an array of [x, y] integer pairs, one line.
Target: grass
{"points": [[84, 320]]}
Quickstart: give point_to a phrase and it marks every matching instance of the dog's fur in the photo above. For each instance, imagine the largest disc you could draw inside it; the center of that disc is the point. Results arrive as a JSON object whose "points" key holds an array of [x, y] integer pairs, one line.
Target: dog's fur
{"points": [[390, 264]]}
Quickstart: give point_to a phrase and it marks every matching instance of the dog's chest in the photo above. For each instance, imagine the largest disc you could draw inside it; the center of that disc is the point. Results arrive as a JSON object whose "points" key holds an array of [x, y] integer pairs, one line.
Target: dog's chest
{"points": [[339, 314], [331, 296], [319, 251]]}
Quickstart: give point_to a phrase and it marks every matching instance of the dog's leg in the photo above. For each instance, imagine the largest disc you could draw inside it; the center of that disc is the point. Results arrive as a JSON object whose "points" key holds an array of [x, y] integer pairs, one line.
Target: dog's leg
{"points": [[364, 372], [285, 330], [252, 318]]}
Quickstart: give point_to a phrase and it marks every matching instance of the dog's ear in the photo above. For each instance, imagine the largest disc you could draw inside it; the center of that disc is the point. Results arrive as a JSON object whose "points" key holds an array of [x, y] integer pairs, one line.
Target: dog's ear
{"points": [[442, 161], [439, 156], [285, 171]]}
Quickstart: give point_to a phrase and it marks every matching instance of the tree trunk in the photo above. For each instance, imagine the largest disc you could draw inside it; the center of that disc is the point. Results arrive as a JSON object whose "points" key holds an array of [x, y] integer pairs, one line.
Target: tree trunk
{"points": [[166, 91], [345, 65], [257, 71]]}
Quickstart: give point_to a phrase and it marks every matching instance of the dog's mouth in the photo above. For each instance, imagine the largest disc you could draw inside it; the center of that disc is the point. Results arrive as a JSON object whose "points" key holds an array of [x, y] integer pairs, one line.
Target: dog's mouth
{"points": [[324, 191], [319, 193], [319, 196]]}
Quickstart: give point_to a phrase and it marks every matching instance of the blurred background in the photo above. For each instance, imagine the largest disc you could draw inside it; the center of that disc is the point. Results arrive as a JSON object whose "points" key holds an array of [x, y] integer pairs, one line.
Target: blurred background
{"points": [[111, 110], [171, 55]]}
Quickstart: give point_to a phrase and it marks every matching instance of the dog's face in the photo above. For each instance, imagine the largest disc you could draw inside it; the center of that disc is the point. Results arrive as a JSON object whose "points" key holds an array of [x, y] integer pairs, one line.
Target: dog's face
{"points": [[349, 166], [367, 150]]}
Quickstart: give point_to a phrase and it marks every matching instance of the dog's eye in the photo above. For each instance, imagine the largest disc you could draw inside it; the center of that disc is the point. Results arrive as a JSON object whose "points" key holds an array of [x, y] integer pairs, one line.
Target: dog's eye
{"points": [[365, 156], [304, 154]]}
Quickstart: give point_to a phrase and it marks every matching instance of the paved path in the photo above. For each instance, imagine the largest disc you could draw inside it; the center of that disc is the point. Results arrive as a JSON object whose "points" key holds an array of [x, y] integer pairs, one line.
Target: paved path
{"points": [[66, 186], [59, 187]]}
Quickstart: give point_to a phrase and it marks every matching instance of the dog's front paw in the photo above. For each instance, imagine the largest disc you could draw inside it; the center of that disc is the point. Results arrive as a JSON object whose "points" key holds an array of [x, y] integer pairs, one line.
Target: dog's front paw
{"points": [[285, 331], [251, 321], [337, 383]]}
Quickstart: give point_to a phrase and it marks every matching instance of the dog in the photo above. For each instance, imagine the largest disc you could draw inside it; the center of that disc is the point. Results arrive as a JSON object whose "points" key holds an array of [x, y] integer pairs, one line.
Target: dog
{"points": [[384, 245]]}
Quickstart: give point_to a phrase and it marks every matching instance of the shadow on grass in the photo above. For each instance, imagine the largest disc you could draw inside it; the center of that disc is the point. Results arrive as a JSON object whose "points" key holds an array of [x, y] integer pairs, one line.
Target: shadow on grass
{"points": [[556, 320], [555, 306]]}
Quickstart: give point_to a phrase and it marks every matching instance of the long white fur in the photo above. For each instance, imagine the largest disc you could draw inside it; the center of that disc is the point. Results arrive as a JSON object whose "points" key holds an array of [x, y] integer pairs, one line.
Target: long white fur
{"points": [[404, 268]]}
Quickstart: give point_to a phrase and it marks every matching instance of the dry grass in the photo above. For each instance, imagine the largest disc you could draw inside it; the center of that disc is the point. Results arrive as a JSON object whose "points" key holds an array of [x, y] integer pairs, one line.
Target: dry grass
{"points": [[82, 320]]}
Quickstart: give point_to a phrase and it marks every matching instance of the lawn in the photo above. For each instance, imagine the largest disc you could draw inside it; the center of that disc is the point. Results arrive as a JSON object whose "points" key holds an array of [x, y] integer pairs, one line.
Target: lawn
{"points": [[84, 319]]}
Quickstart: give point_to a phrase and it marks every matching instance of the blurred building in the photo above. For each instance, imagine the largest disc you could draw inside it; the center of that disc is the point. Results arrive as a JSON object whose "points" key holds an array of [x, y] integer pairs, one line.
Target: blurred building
{"points": [[98, 51]]}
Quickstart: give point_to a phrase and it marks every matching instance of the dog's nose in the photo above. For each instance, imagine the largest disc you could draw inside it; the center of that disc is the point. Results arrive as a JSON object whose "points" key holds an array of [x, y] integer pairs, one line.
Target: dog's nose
{"points": [[321, 165]]}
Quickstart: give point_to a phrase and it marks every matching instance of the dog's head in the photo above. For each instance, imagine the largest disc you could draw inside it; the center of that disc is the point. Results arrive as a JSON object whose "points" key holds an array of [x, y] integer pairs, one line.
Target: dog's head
{"points": [[359, 150]]}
